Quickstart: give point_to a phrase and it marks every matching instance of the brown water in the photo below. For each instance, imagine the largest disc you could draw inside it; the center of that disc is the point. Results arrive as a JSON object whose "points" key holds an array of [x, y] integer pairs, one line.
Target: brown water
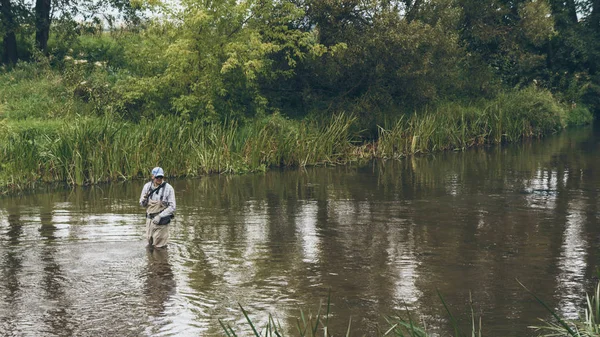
{"points": [[380, 237]]}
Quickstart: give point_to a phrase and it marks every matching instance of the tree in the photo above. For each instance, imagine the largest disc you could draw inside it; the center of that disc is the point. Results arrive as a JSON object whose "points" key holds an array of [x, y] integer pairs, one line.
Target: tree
{"points": [[564, 13], [16, 16], [398, 56], [42, 23], [7, 28], [214, 54], [595, 16]]}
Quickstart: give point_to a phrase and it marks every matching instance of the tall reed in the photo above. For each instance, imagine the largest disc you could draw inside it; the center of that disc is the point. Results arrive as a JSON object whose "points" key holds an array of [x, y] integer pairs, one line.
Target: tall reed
{"points": [[93, 150], [510, 117], [588, 325]]}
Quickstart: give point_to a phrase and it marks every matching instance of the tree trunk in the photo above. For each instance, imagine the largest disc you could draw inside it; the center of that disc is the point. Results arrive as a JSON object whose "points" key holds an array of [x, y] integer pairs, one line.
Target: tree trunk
{"points": [[412, 11], [42, 24], [571, 11], [9, 39], [595, 16], [564, 13]]}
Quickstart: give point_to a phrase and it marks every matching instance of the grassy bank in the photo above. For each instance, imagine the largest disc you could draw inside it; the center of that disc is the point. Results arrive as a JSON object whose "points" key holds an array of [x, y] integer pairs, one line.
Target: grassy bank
{"points": [[93, 150]]}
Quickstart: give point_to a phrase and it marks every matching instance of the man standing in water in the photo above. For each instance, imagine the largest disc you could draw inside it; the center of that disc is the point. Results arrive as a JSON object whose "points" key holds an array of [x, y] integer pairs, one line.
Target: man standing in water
{"points": [[159, 199]]}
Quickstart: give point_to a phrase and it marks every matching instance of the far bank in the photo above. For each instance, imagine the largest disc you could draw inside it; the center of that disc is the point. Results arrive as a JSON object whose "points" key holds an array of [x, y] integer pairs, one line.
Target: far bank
{"points": [[80, 150]]}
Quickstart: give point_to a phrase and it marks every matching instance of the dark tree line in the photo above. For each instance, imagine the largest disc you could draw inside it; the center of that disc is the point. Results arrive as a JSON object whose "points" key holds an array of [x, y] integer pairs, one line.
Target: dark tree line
{"points": [[8, 27], [17, 16], [362, 56], [510, 43]]}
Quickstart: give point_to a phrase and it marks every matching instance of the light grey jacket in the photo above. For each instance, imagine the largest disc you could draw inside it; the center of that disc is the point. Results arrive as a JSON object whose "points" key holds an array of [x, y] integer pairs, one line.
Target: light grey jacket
{"points": [[168, 197]]}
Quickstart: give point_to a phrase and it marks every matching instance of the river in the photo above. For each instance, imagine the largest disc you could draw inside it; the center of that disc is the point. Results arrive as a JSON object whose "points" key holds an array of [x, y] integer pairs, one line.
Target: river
{"points": [[375, 239]]}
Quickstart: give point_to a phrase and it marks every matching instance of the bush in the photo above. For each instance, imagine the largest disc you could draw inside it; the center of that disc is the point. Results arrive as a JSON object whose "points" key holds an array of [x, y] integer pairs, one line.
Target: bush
{"points": [[535, 109], [99, 48], [579, 115]]}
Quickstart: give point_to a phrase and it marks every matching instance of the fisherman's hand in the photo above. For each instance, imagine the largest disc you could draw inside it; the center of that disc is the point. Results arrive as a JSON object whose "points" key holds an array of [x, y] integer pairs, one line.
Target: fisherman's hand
{"points": [[156, 220]]}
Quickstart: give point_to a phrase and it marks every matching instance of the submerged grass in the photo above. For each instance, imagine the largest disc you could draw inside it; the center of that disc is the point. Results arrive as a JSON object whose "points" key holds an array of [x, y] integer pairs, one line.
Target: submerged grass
{"points": [[587, 325], [308, 325]]}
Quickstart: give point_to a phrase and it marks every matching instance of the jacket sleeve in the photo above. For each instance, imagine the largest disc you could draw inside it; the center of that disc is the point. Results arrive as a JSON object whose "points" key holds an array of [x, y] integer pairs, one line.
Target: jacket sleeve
{"points": [[169, 198], [144, 191]]}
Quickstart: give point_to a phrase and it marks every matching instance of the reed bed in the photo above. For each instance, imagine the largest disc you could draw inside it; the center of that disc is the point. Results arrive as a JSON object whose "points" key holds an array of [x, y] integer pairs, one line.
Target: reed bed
{"points": [[510, 117], [93, 150]]}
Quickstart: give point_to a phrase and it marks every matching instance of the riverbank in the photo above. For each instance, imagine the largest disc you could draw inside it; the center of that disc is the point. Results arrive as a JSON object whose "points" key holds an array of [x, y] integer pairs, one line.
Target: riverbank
{"points": [[83, 150]]}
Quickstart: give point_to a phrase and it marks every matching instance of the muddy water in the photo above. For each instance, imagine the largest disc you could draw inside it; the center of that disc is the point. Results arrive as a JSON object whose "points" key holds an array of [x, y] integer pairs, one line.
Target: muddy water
{"points": [[376, 238]]}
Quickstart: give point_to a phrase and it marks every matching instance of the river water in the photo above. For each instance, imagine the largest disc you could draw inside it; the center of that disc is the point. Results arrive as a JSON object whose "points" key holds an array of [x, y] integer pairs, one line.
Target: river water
{"points": [[376, 239]]}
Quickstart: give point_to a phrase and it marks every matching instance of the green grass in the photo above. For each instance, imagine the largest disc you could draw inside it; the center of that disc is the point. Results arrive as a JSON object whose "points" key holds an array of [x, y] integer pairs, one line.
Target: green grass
{"points": [[87, 150], [92, 150], [588, 325], [31, 91], [510, 117]]}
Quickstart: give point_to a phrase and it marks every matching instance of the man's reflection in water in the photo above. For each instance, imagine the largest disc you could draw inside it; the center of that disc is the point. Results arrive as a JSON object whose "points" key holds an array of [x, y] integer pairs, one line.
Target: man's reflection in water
{"points": [[160, 283], [11, 266]]}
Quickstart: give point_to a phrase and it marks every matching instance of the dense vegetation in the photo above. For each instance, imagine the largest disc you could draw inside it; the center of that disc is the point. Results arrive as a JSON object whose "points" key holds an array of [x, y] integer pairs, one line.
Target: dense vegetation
{"points": [[229, 85]]}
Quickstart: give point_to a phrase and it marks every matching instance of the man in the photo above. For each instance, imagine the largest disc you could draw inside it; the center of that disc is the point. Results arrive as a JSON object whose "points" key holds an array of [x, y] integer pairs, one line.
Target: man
{"points": [[159, 199]]}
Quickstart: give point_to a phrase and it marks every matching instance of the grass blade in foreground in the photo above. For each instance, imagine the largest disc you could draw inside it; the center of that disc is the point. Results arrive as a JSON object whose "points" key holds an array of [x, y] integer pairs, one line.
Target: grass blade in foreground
{"points": [[249, 321], [554, 314], [457, 331]]}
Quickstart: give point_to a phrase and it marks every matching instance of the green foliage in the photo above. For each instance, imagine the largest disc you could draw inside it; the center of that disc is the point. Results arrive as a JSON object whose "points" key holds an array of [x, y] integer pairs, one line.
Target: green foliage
{"points": [[99, 48], [591, 97], [35, 90], [532, 111], [579, 115], [210, 59], [88, 150], [388, 64], [512, 38], [63, 34], [537, 23], [218, 60], [227, 76]]}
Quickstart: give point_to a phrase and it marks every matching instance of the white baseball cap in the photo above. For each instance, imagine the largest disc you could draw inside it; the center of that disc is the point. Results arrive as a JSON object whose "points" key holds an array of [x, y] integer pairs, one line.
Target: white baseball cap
{"points": [[158, 172]]}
